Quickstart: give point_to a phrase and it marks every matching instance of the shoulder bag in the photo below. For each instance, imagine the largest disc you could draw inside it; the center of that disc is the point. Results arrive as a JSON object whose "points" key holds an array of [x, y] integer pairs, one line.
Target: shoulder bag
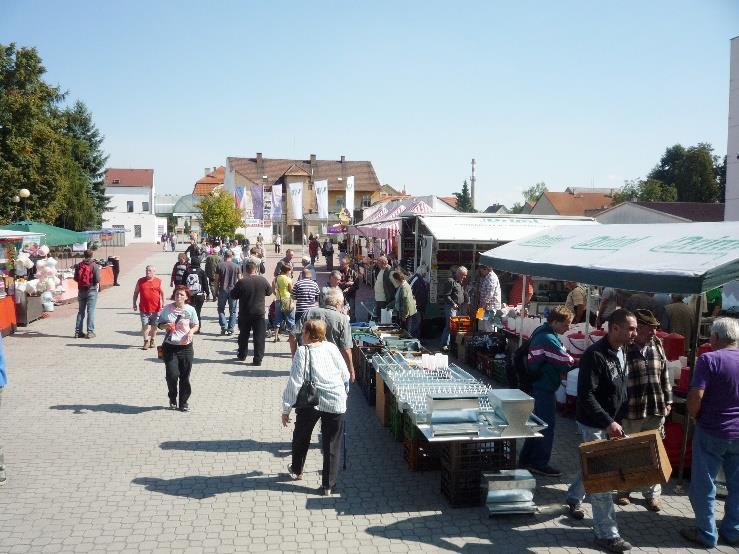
{"points": [[307, 395], [161, 347]]}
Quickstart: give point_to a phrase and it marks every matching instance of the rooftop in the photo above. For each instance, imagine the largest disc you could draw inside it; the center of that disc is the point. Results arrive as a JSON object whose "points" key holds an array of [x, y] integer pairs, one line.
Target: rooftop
{"points": [[208, 183], [115, 177]]}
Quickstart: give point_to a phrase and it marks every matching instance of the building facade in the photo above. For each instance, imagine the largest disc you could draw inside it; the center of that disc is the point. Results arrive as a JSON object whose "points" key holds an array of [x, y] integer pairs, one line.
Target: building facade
{"points": [[131, 207], [268, 172], [732, 145]]}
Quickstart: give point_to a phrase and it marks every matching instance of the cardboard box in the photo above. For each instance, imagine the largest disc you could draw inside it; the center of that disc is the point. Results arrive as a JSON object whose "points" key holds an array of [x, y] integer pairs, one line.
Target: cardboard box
{"points": [[621, 464]]}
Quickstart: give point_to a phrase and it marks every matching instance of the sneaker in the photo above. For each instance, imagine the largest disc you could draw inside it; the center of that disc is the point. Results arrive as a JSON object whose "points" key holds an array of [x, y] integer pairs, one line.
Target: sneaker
{"points": [[229, 332], [256, 363], [91, 335], [324, 491], [172, 406], [692, 534], [78, 334], [146, 345], [575, 510], [294, 475], [623, 499], [185, 408], [613, 545], [223, 332], [547, 471], [721, 537], [654, 505], [241, 357]]}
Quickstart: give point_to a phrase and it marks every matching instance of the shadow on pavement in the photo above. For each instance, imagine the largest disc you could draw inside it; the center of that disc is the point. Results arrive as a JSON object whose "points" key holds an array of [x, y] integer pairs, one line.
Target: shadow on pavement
{"points": [[109, 408], [278, 449], [36, 334], [89, 344], [257, 373], [202, 486]]}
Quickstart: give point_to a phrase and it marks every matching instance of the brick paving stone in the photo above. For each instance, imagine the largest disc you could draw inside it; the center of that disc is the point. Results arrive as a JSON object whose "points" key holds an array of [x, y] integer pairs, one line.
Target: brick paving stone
{"points": [[96, 462]]}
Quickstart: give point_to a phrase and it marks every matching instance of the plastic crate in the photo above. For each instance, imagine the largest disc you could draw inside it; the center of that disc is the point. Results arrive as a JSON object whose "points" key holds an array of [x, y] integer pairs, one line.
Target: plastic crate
{"points": [[410, 431], [460, 323], [395, 419], [484, 362], [479, 455], [462, 488], [420, 455]]}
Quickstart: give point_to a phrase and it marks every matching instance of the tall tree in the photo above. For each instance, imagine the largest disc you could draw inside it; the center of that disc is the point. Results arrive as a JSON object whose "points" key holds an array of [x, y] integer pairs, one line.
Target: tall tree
{"points": [[87, 151], [80, 211], [464, 199], [221, 216], [693, 172], [531, 194], [645, 190]]}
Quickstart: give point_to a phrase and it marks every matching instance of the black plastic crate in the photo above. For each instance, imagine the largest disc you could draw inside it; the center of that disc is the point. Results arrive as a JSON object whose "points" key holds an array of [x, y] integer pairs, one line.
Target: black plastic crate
{"points": [[421, 455], [410, 431], [479, 455], [462, 487]]}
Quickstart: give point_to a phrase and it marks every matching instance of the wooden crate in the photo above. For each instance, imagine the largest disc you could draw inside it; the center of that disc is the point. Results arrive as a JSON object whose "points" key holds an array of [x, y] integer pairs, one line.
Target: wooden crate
{"points": [[621, 464]]}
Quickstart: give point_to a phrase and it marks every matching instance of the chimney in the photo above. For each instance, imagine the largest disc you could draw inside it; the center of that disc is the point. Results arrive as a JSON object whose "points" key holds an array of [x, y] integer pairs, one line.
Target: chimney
{"points": [[206, 171], [312, 166], [260, 164], [214, 169], [343, 159]]}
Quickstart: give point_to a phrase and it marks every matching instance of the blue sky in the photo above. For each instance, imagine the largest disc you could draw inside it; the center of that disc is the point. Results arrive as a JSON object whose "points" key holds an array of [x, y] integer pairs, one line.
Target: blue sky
{"points": [[572, 93]]}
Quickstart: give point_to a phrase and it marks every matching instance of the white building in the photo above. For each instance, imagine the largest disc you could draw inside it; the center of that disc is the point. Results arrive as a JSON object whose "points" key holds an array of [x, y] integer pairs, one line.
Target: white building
{"points": [[131, 193], [732, 146]]}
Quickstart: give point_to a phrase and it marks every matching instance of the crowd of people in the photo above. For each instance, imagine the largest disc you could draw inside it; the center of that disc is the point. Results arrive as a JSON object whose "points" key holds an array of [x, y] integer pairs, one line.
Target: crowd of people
{"points": [[623, 386]]}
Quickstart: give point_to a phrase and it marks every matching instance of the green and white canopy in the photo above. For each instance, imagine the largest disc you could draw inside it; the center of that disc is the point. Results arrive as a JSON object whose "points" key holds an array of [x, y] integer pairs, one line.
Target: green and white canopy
{"points": [[683, 258]]}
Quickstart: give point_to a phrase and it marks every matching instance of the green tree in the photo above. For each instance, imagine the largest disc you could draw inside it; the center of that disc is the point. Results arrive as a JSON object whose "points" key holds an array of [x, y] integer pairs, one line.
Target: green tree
{"points": [[80, 211], [87, 152], [645, 190], [693, 172], [464, 199], [531, 194], [721, 178], [221, 217]]}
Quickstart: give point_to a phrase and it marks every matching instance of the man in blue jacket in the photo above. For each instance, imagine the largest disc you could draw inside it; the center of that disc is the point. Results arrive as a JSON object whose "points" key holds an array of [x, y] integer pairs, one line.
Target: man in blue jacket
{"points": [[601, 403], [3, 382], [547, 360]]}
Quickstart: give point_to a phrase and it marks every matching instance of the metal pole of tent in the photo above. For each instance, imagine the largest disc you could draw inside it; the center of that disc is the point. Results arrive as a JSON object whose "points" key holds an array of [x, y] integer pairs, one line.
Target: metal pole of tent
{"points": [[691, 363], [587, 311], [415, 247]]}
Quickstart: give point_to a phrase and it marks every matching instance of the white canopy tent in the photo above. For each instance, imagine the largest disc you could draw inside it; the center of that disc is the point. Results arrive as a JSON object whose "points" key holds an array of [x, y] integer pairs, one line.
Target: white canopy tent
{"points": [[684, 258]]}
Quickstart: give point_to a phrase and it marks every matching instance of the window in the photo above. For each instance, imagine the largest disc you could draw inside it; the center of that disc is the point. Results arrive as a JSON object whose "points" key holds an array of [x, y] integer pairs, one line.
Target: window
{"points": [[137, 231], [129, 206], [366, 201], [116, 181], [145, 207], [160, 230], [340, 202], [121, 227]]}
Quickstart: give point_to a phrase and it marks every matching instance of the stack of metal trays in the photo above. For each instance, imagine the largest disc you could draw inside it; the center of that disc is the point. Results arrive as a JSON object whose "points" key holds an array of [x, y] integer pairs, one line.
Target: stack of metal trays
{"points": [[510, 491]]}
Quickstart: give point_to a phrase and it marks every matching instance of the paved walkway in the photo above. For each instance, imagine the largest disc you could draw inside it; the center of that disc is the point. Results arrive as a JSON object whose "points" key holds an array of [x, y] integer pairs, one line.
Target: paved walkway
{"points": [[97, 464]]}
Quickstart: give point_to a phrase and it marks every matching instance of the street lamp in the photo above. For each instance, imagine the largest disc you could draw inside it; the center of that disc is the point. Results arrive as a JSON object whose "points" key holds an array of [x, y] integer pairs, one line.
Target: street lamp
{"points": [[24, 193]]}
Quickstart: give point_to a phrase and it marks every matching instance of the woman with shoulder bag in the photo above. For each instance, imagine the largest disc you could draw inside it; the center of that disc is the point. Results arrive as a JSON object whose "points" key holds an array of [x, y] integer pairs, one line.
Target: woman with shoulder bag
{"points": [[285, 308], [320, 364], [180, 321]]}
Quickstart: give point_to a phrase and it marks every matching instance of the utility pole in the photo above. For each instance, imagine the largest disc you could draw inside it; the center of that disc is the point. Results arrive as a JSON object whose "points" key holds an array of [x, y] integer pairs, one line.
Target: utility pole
{"points": [[472, 183]]}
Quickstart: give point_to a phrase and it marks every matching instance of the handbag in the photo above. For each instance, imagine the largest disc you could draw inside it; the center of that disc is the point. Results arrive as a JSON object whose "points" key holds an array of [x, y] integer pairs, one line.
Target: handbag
{"points": [[287, 304], [160, 347], [307, 395]]}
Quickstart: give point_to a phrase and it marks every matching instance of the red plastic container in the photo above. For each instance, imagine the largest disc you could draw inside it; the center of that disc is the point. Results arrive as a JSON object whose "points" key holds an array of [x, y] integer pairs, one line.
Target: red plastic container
{"points": [[684, 382], [705, 347], [673, 442], [674, 344]]}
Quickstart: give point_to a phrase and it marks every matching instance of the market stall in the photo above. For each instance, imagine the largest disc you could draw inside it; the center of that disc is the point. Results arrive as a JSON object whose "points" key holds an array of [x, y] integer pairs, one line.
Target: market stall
{"points": [[685, 258], [448, 419], [11, 242]]}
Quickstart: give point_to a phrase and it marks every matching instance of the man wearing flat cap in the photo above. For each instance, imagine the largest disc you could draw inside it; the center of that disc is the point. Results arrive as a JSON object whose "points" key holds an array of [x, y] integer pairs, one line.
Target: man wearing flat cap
{"points": [[649, 392]]}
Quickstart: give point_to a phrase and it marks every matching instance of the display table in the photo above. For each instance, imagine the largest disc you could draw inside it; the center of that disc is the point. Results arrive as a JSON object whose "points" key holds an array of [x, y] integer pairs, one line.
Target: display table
{"points": [[8, 320]]}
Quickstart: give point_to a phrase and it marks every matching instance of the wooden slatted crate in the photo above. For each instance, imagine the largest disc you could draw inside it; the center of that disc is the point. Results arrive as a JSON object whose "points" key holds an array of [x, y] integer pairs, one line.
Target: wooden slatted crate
{"points": [[620, 464]]}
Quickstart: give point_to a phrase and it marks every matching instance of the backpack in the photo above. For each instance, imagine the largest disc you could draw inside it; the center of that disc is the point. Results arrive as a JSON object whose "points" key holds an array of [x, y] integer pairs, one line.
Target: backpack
{"points": [[85, 275], [193, 283]]}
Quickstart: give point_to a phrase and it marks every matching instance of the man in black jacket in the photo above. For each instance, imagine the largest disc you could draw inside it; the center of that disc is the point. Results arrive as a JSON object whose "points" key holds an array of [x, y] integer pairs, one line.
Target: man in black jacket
{"points": [[452, 300], [250, 291], [601, 402]]}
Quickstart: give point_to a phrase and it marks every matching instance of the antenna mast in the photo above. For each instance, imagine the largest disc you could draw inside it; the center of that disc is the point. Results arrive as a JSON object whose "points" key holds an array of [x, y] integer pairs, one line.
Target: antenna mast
{"points": [[472, 182]]}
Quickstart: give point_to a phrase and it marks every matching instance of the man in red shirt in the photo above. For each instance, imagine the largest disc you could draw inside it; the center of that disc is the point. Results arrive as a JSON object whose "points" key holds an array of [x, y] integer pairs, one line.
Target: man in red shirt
{"points": [[152, 302]]}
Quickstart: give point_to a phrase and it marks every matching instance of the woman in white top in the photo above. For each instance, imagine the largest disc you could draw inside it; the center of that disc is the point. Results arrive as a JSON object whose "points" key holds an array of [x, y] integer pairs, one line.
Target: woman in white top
{"points": [[180, 321], [331, 379]]}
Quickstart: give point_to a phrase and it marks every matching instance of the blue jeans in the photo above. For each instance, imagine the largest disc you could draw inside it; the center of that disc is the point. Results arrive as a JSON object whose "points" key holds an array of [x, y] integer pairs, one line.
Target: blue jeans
{"points": [[288, 318], [223, 298], [448, 312], [604, 513], [709, 453], [87, 300], [537, 452]]}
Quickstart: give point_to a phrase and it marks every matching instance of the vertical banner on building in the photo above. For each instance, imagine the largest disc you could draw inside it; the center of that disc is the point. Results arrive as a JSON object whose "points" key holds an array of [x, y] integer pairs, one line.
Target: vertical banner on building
{"points": [[295, 203], [238, 197], [276, 202], [322, 198], [349, 202], [257, 199]]}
